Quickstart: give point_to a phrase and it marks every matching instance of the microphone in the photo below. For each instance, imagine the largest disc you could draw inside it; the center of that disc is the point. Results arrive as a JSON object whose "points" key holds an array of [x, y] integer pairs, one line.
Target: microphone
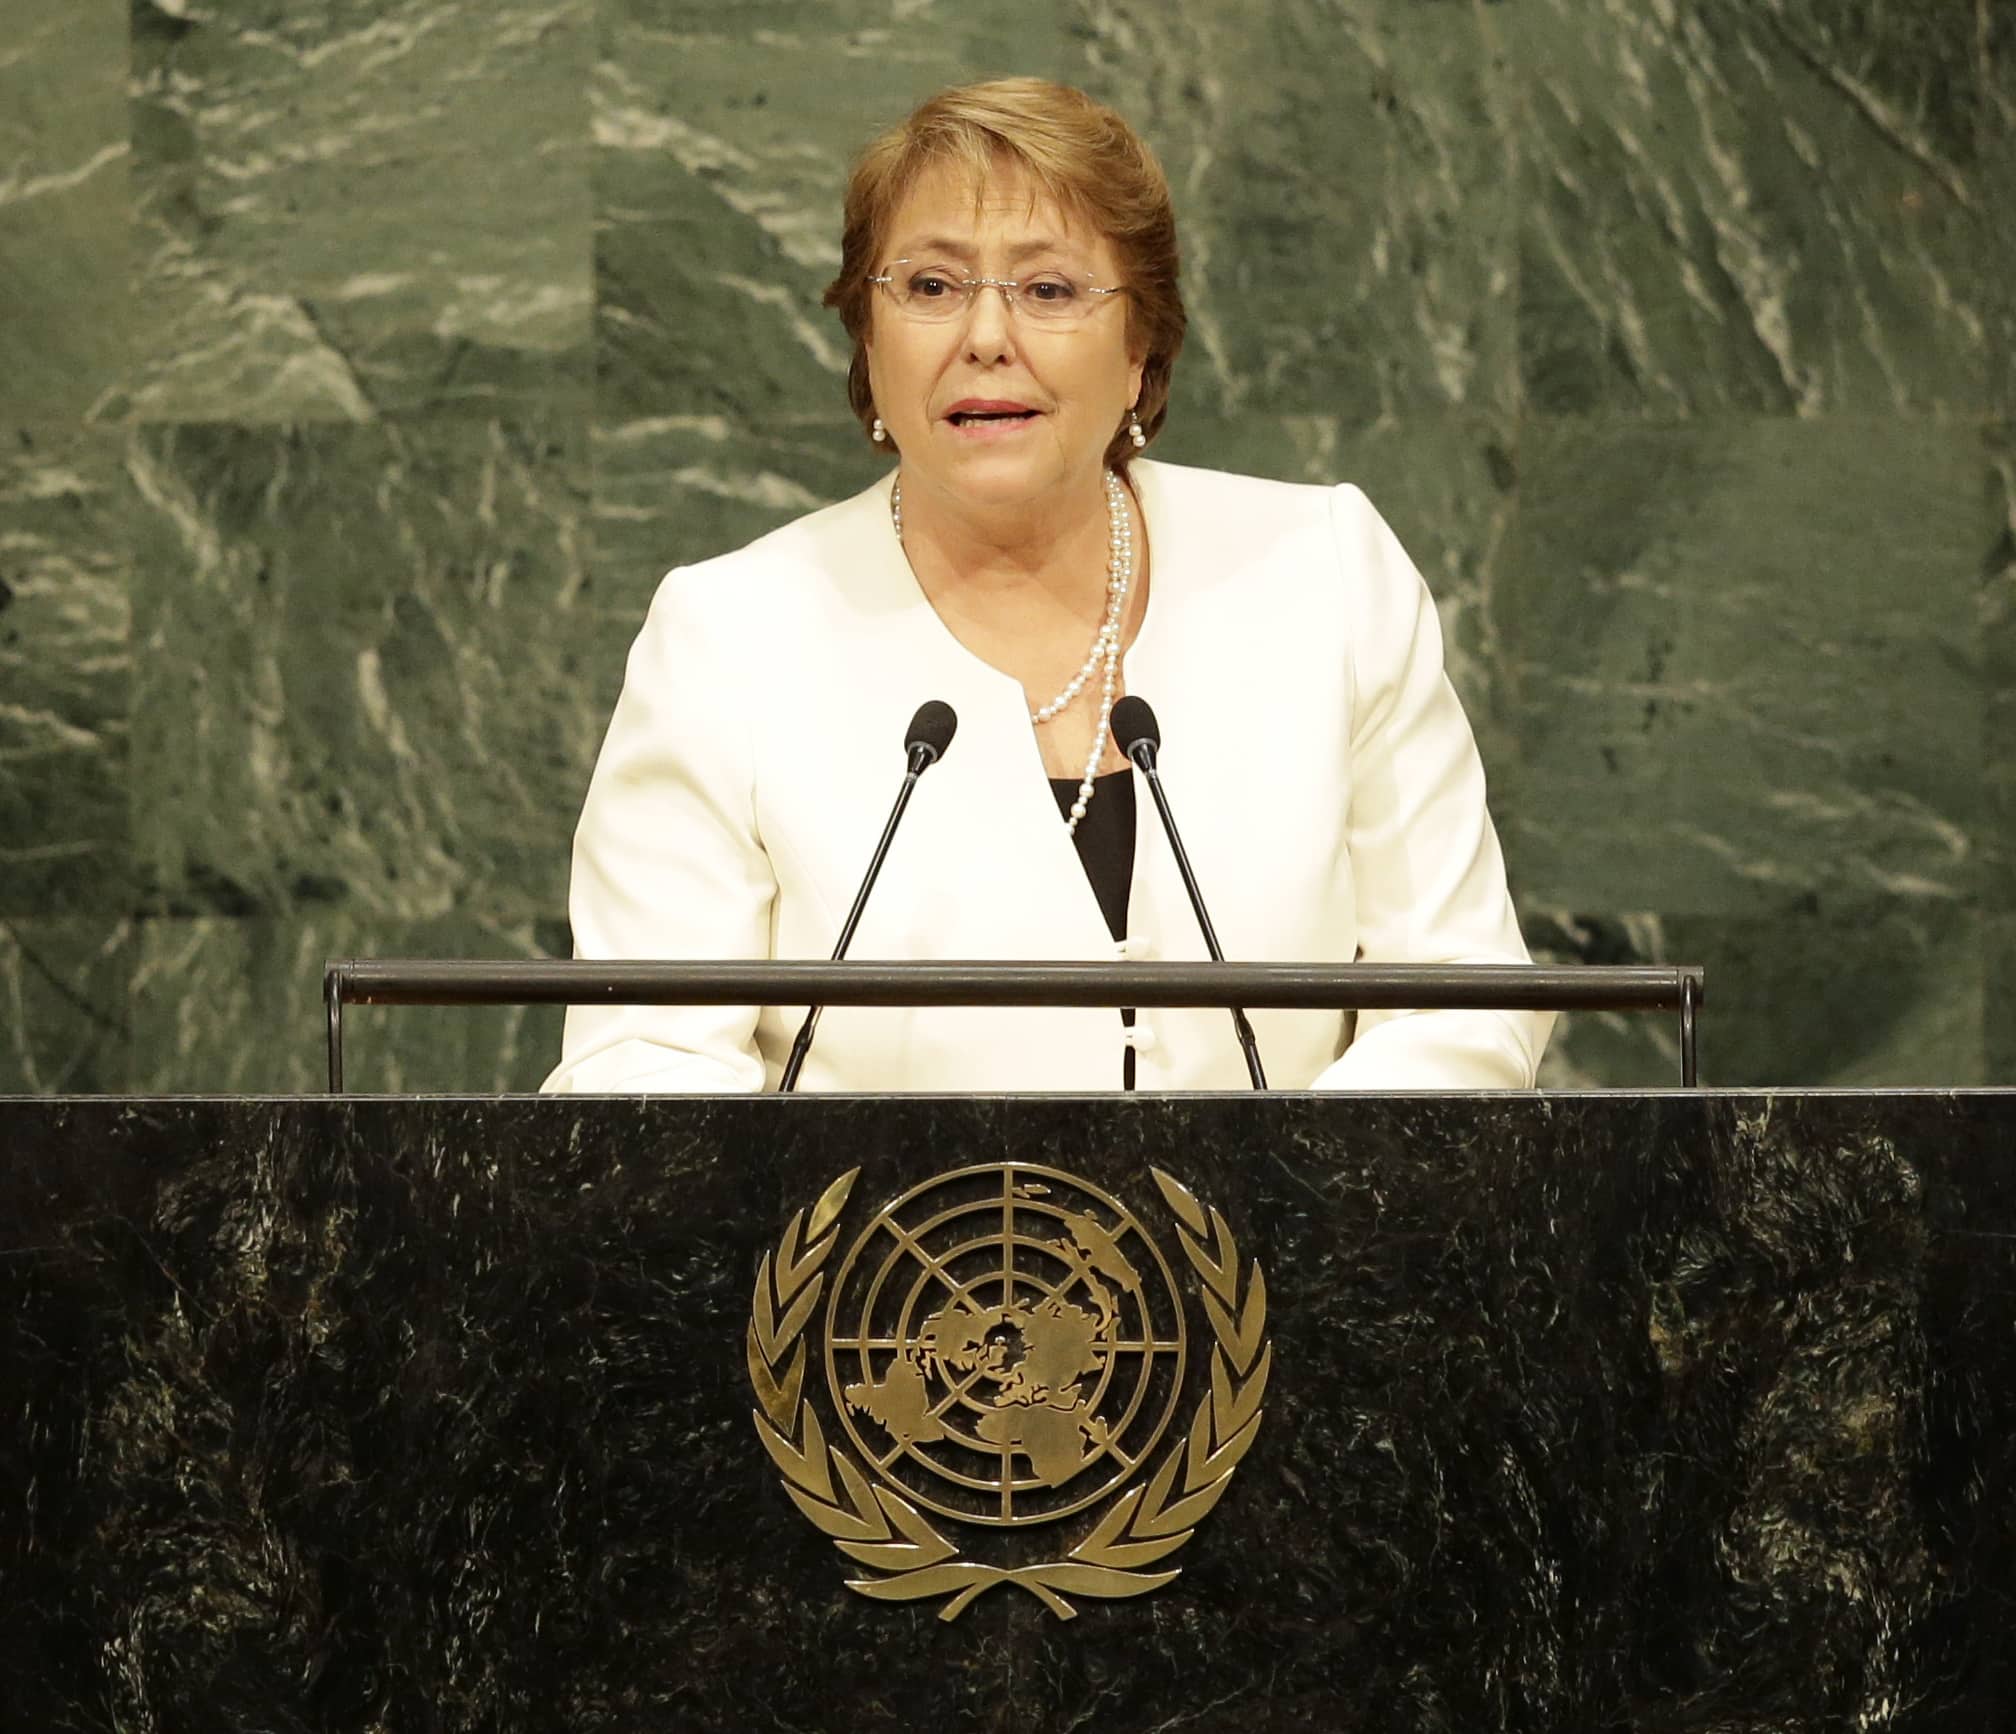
{"points": [[1140, 738], [930, 733]]}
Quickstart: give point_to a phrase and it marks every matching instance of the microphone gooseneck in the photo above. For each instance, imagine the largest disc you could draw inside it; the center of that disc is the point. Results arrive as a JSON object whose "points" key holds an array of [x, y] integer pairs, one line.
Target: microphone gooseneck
{"points": [[924, 744], [1140, 738]]}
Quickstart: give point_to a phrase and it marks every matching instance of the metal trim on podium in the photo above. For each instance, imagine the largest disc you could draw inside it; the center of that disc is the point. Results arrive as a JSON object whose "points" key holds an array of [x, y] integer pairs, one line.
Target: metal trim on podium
{"points": [[1677, 989]]}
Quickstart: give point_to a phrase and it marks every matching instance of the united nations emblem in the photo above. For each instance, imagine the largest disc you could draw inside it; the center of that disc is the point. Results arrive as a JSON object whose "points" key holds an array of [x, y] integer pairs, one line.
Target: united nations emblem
{"points": [[1005, 1349]]}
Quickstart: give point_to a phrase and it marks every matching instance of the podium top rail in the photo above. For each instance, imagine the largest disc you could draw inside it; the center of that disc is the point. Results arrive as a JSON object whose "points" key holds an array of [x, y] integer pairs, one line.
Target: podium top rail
{"points": [[413, 981], [1291, 986]]}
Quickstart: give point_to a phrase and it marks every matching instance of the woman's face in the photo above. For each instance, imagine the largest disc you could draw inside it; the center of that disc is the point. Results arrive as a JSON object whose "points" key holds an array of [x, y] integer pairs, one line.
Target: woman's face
{"points": [[1077, 379]]}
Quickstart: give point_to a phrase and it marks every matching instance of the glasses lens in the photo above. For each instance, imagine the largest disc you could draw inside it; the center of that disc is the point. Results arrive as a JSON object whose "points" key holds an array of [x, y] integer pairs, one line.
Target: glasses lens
{"points": [[927, 291], [1057, 297]]}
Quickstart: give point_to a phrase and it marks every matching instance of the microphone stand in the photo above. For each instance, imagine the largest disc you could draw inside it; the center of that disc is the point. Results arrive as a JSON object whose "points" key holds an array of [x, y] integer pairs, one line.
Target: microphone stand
{"points": [[922, 757], [1142, 752]]}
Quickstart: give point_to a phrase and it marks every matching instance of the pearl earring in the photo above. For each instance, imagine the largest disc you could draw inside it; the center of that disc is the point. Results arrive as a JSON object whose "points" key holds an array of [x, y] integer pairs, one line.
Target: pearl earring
{"points": [[1134, 432], [878, 432]]}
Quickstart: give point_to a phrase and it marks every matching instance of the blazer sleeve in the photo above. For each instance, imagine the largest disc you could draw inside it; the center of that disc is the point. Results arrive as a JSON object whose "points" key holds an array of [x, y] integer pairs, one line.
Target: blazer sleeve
{"points": [[1425, 863], [667, 862]]}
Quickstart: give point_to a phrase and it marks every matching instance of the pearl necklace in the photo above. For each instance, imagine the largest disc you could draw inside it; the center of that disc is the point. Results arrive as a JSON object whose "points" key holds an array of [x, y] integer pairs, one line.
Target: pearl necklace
{"points": [[1105, 642]]}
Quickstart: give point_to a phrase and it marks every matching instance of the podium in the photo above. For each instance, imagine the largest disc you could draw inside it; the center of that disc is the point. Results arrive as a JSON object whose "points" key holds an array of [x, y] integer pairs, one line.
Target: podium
{"points": [[1675, 1410]]}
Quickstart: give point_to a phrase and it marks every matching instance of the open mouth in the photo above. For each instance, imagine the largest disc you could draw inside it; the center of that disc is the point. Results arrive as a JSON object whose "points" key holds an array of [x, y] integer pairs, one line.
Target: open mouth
{"points": [[977, 417]]}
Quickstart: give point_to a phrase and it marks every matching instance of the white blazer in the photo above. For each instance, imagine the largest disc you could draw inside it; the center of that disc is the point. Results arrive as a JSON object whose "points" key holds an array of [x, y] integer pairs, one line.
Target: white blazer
{"points": [[1314, 753]]}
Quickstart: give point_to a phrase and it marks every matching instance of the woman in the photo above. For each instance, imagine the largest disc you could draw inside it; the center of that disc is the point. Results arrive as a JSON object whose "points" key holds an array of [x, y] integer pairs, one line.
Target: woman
{"points": [[1008, 277]]}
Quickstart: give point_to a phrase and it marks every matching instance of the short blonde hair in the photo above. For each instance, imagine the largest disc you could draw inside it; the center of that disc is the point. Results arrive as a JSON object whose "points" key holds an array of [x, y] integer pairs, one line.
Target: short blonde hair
{"points": [[1081, 155]]}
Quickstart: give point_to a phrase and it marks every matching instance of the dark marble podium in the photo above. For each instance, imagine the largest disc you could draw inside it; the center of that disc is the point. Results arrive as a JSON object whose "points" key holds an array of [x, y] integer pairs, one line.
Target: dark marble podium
{"points": [[1660, 1412]]}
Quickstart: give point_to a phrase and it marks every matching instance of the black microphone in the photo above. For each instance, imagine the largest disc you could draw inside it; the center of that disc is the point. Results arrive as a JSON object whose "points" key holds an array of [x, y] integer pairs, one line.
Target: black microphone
{"points": [[1135, 728], [930, 733]]}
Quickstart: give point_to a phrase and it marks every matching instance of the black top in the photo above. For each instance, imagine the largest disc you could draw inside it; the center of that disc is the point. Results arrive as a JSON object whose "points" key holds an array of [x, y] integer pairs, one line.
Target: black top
{"points": [[1105, 839]]}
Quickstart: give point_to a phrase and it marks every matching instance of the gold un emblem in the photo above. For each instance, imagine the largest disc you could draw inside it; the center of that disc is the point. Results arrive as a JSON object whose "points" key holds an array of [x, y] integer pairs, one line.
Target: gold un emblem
{"points": [[1005, 1348]]}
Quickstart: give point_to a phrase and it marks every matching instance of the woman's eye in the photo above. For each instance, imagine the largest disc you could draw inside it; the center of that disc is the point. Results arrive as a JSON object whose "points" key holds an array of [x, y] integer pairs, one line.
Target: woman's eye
{"points": [[930, 285], [1051, 289]]}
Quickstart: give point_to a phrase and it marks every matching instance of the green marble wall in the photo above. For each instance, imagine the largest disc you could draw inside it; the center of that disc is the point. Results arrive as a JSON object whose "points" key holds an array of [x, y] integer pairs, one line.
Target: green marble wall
{"points": [[362, 367]]}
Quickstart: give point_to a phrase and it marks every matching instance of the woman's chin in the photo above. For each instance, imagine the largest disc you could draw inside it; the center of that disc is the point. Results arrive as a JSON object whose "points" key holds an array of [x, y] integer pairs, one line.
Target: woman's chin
{"points": [[1000, 474]]}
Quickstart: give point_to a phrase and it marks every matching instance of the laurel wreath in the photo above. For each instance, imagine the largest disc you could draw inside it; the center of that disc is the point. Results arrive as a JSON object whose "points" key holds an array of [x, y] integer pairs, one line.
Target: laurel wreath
{"points": [[879, 1528]]}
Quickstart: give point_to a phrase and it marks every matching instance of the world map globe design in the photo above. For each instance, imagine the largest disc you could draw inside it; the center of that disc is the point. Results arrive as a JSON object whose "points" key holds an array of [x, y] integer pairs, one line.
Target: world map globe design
{"points": [[1005, 1344]]}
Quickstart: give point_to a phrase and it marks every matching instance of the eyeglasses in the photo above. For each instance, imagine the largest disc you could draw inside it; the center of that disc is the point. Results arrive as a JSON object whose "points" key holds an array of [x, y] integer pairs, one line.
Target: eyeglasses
{"points": [[1051, 296]]}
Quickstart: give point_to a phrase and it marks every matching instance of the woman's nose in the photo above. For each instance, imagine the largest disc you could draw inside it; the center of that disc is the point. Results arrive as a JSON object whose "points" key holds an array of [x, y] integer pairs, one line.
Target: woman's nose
{"points": [[989, 322]]}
